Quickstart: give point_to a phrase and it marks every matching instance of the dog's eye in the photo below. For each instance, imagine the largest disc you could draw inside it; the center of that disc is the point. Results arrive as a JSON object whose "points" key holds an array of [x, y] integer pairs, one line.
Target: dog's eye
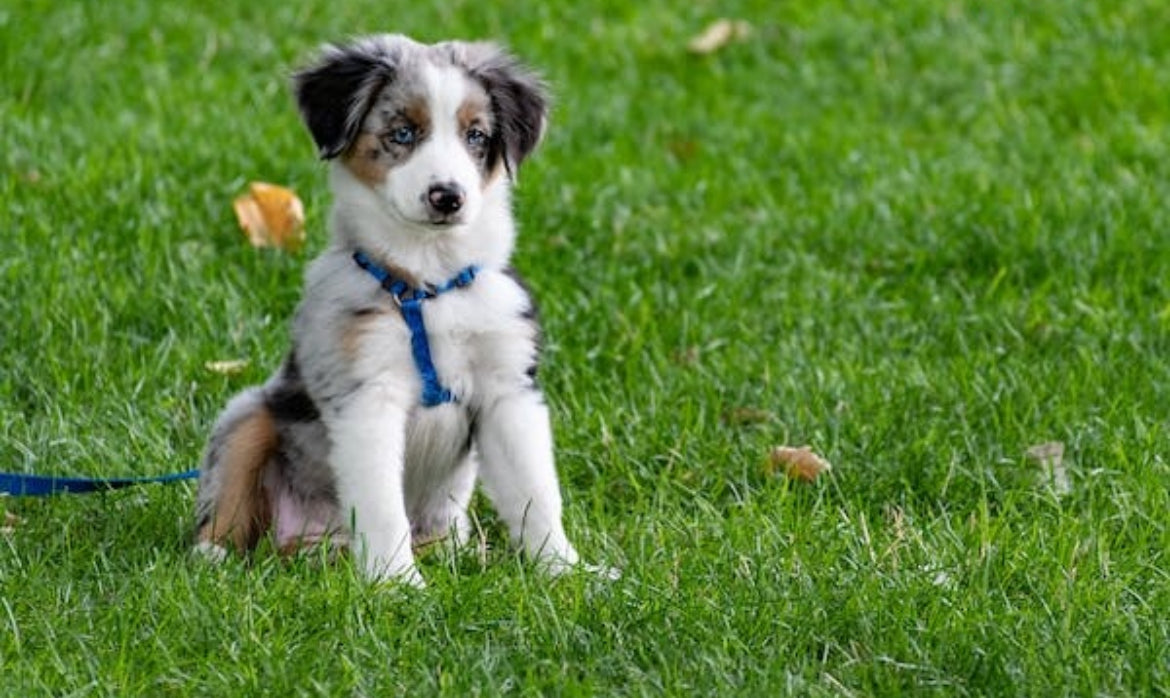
{"points": [[476, 137], [404, 135]]}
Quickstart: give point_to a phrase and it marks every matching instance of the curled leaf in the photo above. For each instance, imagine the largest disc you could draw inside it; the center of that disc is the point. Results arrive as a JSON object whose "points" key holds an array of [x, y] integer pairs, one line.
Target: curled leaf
{"points": [[271, 216], [798, 463], [228, 367], [718, 34]]}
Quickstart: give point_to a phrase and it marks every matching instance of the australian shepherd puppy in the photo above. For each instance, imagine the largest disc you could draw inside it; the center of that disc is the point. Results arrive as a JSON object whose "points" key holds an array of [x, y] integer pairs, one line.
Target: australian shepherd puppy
{"points": [[413, 362]]}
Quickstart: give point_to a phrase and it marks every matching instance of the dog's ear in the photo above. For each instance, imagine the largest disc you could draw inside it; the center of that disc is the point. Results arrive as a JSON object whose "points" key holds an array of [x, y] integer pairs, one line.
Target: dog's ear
{"points": [[335, 93], [519, 97]]}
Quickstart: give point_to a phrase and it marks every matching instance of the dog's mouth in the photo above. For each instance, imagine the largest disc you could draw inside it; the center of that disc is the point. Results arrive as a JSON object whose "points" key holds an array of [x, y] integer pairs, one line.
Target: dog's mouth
{"points": [[430, 220], [445, 221]]}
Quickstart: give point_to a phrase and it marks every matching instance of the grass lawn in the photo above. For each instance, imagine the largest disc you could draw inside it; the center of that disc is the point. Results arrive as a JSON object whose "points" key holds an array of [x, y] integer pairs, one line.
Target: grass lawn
{"points": [[921, 237]]}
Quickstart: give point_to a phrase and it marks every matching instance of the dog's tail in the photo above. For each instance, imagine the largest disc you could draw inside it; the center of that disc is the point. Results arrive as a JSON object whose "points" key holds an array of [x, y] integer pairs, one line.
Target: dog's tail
{"points": [[232, 506]]}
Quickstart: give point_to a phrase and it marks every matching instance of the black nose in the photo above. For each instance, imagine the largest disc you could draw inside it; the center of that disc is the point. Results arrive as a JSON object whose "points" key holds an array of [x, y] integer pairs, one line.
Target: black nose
{"points": [[445, 198]]}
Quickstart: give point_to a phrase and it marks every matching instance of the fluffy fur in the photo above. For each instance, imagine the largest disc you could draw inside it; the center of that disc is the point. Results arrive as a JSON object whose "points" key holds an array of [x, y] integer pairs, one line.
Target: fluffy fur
{"points": [[423, 141]]}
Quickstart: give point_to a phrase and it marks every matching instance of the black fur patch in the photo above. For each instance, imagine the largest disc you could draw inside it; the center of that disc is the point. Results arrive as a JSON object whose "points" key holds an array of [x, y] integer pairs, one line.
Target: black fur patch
{"points": [[289, 401], [531, 313]]}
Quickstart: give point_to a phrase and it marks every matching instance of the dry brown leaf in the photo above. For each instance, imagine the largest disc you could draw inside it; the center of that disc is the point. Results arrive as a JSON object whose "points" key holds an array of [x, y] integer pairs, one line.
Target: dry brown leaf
{"points": [[227, 367], [271, 216], [1050, 457], [798, 463], [718, 34]]}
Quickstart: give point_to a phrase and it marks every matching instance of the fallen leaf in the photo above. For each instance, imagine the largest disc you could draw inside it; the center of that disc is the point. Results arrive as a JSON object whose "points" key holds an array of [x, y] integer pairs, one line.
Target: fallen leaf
{"points": [[1050, 457], [271, 216], [227, 367], [718, 34], [798, 463]]}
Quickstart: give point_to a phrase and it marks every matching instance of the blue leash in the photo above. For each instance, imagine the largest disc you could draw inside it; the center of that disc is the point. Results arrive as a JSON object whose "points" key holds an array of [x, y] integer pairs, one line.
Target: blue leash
{"points": [[410, 302], [20, 485]]}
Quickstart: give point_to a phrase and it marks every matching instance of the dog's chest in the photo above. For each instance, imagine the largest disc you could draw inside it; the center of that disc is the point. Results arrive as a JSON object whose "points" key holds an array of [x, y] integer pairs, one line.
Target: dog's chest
{"points": [[479, 339]]}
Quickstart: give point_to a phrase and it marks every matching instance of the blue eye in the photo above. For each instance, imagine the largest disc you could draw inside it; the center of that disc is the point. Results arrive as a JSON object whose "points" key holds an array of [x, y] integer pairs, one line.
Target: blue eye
{"points": [[404, 135], [476, 137]]}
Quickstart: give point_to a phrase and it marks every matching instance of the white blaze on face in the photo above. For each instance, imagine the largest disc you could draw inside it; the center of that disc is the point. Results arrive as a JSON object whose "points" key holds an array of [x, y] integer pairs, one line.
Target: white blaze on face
{"points": [[442, 158]]}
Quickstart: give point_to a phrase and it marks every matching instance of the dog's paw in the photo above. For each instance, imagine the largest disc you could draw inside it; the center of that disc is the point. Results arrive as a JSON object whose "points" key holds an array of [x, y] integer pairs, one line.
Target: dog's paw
{"points": [[411, 579], [210, 552], [558, 567], [402, 575], [602, 572]]}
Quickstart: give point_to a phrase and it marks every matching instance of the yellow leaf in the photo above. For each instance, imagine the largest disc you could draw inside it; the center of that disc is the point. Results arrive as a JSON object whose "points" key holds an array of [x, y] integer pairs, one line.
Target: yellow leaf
{"points": [[229, 367], [718, 34], [271, 216]]}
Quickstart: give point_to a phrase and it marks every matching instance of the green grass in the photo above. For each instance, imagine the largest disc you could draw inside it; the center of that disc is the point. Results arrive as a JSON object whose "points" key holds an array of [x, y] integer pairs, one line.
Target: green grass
{"points": [[918, 236]]}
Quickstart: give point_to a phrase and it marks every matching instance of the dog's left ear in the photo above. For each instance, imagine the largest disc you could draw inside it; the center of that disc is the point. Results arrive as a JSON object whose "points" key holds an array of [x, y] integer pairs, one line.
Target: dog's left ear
{"points": [[520, 100]]}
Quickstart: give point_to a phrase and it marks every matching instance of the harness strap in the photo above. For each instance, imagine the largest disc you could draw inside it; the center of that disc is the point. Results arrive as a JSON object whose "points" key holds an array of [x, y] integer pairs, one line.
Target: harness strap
{"points": [[410, 301], [433, 392]]}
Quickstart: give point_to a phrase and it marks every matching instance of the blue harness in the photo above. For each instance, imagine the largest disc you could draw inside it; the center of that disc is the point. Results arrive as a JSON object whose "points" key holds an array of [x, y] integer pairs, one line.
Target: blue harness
{"points": [[409, 301]]}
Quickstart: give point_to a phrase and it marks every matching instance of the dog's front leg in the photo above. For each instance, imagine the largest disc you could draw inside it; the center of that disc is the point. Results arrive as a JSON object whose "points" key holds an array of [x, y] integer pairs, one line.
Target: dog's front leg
{"points": [[368, 445], [519, 475]]}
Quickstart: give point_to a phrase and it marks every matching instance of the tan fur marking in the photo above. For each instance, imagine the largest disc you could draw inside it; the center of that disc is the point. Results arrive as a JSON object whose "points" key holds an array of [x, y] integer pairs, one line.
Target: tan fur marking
{"points": [[496, 172], [474, 111], [367, 160], [351, 336], [418, 113], [241, 511]]}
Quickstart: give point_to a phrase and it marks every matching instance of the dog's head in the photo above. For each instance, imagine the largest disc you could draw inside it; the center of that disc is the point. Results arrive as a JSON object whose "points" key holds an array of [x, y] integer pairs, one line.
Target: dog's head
{"points": [[428, 127]]}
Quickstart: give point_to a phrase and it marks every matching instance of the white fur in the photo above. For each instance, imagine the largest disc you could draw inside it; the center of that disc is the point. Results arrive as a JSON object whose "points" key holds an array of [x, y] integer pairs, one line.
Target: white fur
{"points": [[442, 158]]}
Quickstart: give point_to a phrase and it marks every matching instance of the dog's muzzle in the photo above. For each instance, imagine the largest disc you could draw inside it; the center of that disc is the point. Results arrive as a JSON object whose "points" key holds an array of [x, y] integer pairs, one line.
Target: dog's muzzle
{"points": [[445, 200]]}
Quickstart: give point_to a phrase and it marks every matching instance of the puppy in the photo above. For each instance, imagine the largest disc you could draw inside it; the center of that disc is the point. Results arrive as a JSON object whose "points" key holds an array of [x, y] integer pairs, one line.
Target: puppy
{"points": [[412, 371]]}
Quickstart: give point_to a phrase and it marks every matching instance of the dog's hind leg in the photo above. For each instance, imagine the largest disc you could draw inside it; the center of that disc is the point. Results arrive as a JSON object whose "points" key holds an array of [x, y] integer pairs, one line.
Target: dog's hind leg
{"points": [[232, 507]]}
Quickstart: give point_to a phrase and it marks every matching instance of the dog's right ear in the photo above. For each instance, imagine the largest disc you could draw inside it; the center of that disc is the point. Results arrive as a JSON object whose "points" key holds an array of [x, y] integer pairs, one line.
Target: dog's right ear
{"points": [[336, 93]]}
